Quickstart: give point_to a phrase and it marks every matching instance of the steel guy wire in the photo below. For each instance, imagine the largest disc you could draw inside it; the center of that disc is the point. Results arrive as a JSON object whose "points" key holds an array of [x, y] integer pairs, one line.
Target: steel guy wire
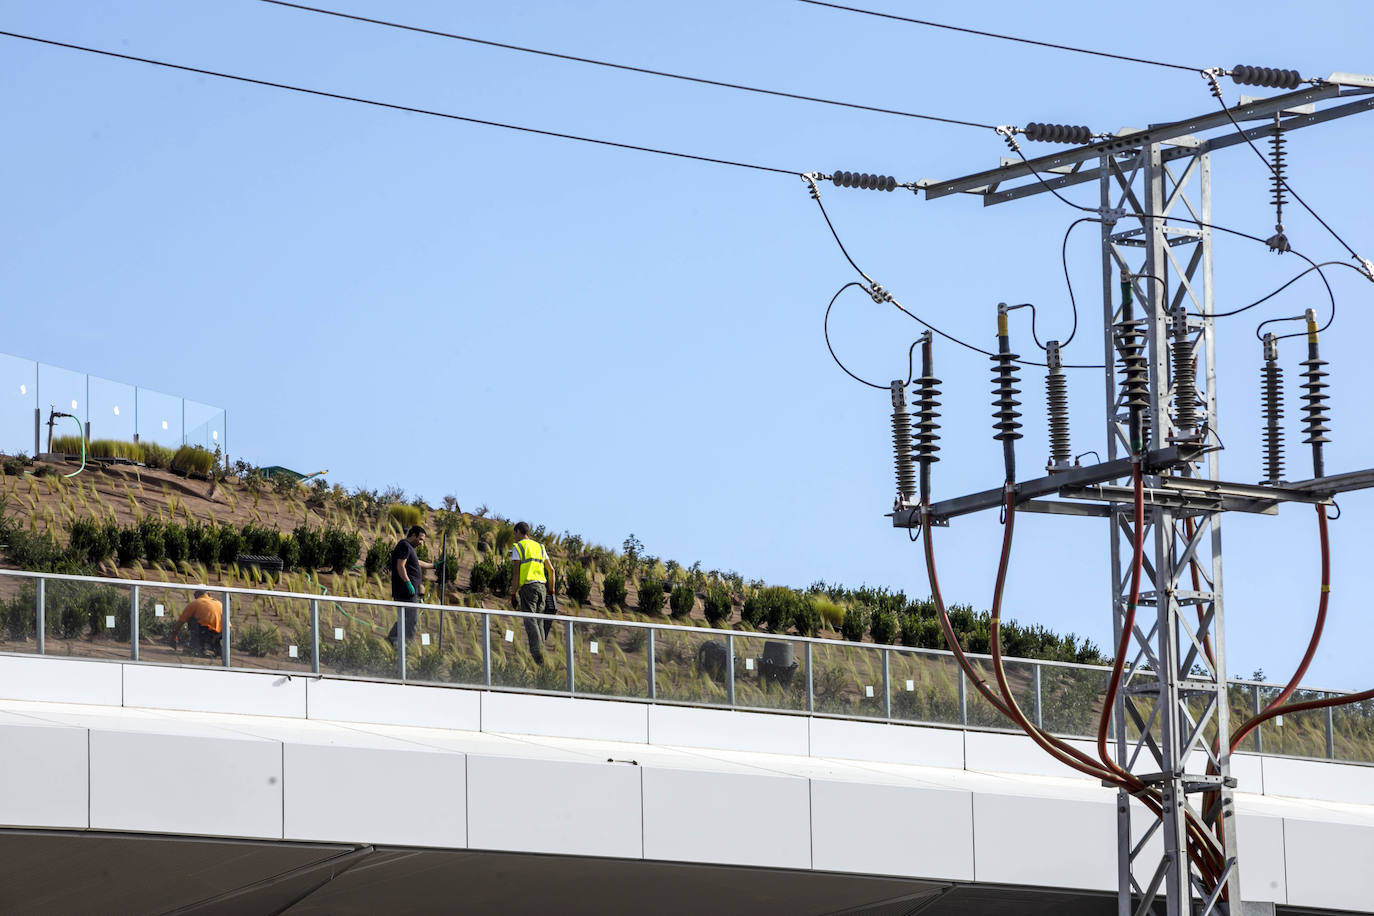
{"points": [[409, 109], [629, 68]]}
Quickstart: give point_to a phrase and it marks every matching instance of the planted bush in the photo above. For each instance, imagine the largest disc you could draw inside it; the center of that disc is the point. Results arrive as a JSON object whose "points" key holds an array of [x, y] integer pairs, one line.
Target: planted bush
{"points": [[193, 461], [375, 561], [257, 639], [154, 545], [206, 539], [650, 596], [578, 583], [855, 623], [289, 551], [482, 575], [830, 611], [311, 545], [95, 541], [174, 538], [404, 515], [682, 599], [613, 589], [230, 544], [883, 626], [130, 546], [341, 549], [717, 604], [500, 579], [806, 618], [260, 541], [156, 456]]}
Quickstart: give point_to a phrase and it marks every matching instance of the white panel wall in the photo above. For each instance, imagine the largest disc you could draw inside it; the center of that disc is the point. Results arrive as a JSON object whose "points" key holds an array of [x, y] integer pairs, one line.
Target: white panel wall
{"points": [[1262, 862], [528, 714], [729, 730], [554, 806], [1337, 782], [891, 830], [45, 774], [214, 690], [58, 680], [997, 753], [406, 797], [393, 704], [169, 783], [1328, 864], [913, 744], [1055, 842], [693, 816]]}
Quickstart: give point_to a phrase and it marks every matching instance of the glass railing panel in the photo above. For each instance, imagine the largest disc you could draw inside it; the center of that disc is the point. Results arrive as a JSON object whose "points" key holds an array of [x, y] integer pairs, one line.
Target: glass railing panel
{"points": [[1301, 734], [1020, 678], [514, 642], [18, 398], [446, 648], [112, 410], [847, 678], [1071, 700], [1352, 729], [355, 639], [1242, 698], [270, 631], [925, 687], [159, 609], [18, 614], [691, 666], [770, 673], [87, 619], [610, 660]]}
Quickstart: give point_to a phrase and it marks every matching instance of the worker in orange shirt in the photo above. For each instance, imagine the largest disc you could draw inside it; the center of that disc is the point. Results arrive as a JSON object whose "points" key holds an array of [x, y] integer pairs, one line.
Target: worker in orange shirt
{"points": [[203, 617]]}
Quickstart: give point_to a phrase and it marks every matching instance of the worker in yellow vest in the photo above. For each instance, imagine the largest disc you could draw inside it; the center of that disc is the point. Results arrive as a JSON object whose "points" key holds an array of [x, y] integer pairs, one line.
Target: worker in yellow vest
{"points": [[531, 585]]}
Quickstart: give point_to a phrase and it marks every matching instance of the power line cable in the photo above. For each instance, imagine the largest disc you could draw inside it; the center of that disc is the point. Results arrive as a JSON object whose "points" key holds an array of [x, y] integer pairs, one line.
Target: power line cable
{"points": [[405, 108], [626, 67], [1016, 38]]}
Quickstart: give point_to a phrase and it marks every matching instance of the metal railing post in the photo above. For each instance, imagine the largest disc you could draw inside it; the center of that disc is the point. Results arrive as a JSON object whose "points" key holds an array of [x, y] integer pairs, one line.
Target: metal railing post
{"points": [[653, 667], [40, 610], [225, 633], [486, 649], [887, 683], [314, 636], [1330, 734], [810, 680], [963, 697], [1039, 706], [401, 641], [567, 651], [133, 623], [730, 668]]}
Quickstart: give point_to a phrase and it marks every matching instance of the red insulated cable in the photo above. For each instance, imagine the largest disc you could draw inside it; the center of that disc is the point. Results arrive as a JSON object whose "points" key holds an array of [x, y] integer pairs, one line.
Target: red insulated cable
{"points": [[1128, 624]]}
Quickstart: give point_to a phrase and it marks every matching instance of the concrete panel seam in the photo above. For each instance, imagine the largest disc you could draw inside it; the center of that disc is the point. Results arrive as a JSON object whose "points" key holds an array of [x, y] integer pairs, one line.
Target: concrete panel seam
{"points": [[973, 836], [283, 790], [89, 768], [1283, 836]]}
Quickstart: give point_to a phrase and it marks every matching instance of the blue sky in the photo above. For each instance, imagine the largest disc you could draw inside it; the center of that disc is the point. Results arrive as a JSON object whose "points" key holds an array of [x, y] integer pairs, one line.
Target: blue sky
{"points": [[611, 342]]}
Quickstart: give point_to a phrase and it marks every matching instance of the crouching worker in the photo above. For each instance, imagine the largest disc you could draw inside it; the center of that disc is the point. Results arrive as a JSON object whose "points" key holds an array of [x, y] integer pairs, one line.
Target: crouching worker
{"points": [[531, 586], [203, 617]]}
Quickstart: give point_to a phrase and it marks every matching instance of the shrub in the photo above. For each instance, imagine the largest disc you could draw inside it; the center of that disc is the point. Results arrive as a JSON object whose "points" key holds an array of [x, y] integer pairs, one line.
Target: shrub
{"points": [[207, 543], [18, 616], [154, 544], [855, 623], [681, 600], [500, 579], [257, 639], [806, 618], [482, 575], [311, 546], [375, 561], [829, 610], [261, 541], [94, 541], [754, 610], [404, 515], [341, 549], [130, 546], [650, 596], [230, 544], [578, 582], [174, 538], [717, 604], [883, 626], [289, 551], [425, 665], [193, 461], [613, 589], [909, 629], [156, 456]]}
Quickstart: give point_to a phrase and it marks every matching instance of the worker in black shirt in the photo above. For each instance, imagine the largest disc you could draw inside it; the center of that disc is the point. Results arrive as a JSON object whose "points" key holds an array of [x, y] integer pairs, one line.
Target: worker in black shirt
{"points": [[407, 577]]}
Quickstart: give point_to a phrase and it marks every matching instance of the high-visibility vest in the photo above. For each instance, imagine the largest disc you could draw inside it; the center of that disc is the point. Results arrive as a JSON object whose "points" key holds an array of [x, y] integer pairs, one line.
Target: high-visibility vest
{"points": [[531, 561]]}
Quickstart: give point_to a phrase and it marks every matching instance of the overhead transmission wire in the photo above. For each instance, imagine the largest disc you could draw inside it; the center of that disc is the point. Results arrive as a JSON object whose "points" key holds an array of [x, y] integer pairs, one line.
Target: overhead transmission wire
{"points": [[409, 109], [1003, 37], [628, 67]]}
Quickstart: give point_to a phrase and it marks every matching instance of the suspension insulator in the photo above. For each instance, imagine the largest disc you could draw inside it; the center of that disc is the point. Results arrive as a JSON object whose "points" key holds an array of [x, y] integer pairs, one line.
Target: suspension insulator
{"points": [[1272, 379], [1266, 76], [1057, 403], [1005, 403], [1185, 379], [927, 439], [1135, 372], [1315, 409], [1058, 133], [1278, 242], [901, 443], [864, 180]]}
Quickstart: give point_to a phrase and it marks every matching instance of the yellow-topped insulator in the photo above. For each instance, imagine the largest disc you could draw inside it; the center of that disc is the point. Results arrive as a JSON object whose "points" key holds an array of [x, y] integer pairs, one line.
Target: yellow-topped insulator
{"points": [[1311, 315]]}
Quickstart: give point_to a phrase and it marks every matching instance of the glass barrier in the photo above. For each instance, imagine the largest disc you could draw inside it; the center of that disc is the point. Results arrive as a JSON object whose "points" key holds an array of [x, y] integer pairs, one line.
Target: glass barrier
{"points": [[18, 398], [771, 673], [159, 418], [514, 642], [1071, 700], [204, 425], [86, 619], [1021, 680], [355, 639], [1300, 734], [847, 678], [691, 666], [270, 631], [446, 648], [18, 614], [1243, 699], [610, 660], [925, 687], [1352, 730], [159, 609], [111, 410], [65, 391]]}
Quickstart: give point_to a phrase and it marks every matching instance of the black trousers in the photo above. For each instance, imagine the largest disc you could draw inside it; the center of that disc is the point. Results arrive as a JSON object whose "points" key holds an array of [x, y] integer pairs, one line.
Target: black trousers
{"points": [[412, 617]]}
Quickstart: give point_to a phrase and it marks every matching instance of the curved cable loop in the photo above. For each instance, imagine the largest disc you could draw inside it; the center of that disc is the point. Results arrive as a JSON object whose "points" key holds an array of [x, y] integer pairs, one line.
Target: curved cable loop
{"points": [[828, 346]]}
